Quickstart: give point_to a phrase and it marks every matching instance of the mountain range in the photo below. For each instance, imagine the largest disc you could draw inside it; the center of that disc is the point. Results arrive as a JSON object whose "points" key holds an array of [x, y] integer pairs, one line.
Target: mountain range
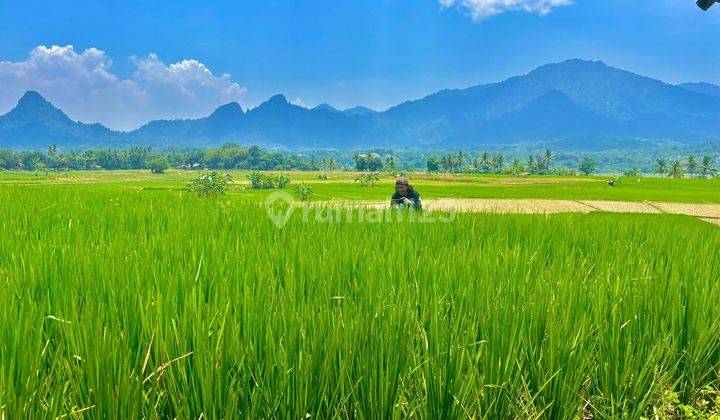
{"points": [[582, 105]]}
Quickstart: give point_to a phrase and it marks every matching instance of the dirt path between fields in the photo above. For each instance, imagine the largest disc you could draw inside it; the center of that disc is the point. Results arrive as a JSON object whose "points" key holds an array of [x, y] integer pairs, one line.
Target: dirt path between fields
{"points": [[707, 212]]}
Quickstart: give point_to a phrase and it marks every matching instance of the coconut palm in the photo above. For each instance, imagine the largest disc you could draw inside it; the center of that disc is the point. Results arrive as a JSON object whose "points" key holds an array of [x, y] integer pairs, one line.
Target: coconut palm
{"points": [[517, 167], [548, 158], [531, 164], [692, 165], [707, 166], [485, 162], [498, 163], [676, 169], [661, 166]]}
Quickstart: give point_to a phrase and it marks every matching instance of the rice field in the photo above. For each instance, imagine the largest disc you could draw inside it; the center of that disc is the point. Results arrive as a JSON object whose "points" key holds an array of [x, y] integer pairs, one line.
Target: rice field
{"points": [[342, 185], [121, 303]]}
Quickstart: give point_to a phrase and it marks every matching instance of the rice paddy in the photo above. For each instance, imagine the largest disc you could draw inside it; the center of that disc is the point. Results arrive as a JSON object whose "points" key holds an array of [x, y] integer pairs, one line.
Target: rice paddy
{"points": [[124, 302]]}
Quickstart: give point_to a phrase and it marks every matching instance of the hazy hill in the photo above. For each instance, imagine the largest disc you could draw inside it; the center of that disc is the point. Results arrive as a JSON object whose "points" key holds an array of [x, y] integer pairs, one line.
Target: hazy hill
{"points": [[706, 88], [36, 123], [575, 103]]}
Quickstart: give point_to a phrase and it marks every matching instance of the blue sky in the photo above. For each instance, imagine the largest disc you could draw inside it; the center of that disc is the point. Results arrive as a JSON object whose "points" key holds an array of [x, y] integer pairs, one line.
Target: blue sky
{"points": [[133, 61]]}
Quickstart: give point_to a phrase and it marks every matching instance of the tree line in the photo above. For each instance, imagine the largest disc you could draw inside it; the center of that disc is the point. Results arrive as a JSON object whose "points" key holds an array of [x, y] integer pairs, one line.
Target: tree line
{"points": [[228, 156], [234, 156], [692, 166]]}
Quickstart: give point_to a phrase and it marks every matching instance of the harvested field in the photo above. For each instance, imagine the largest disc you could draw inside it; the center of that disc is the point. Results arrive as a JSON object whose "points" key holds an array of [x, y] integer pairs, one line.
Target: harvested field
{"points": [[697, 210], [507, 206], [621, 207], [547, 206]]}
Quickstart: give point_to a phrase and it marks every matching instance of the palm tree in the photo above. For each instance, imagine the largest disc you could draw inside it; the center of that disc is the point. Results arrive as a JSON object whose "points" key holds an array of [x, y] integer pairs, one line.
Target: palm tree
{"points": [[51, 156], [517, 168], [707, 166], [498, 162], [460, 160], [531, 165], [549, 157], [446, 163], [676, 169], [485, 162], [661, 166], [692, 165]]}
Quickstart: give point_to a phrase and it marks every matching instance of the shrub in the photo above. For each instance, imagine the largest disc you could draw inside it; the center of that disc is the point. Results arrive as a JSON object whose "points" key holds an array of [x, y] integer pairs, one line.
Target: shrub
{"points": [[158, 165], [209, 184], [368, 180], [261, 181], [632, 173], [282, 181], [564, 171], [303, 192]]}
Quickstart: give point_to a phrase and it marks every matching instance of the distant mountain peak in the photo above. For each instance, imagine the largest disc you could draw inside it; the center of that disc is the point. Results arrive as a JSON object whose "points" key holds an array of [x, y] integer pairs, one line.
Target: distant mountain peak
{"points": [[232, 109], [326, 107], [359, 110], [33, 106], [279, 99], [33, 100], [573, 64], [572, 101]]}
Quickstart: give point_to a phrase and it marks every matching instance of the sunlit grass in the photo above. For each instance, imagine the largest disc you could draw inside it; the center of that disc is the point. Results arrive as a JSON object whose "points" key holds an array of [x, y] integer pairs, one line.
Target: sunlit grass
{"points": [[341, 185], [119, 303]]}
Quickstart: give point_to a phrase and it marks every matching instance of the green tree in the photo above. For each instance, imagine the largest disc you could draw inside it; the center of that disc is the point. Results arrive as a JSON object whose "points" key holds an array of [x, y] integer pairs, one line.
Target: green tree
{"points": [[498, 163], [517, 167], [707, 166], [588, 165], [692, 165], [549, 157], [531, 165], [433, 164], [390, 163], [158, 165], [485, 162], [676, 169], [661, 166]]}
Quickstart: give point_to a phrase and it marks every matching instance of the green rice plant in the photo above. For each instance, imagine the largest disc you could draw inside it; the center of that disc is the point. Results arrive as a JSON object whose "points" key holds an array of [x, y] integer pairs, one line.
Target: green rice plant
{"points": [[125, 304]]}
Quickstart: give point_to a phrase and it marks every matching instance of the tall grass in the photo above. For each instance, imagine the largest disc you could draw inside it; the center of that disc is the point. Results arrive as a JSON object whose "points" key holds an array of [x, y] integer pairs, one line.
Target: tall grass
{"points": [[126, 304]]}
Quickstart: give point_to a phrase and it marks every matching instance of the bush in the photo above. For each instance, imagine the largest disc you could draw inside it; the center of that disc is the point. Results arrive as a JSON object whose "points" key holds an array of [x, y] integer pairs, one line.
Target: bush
{"points": [[632, 173], [158, 165], [209, 184], [261, 181], [564, 171], [282, 181], [303, 192], [368, 180]]}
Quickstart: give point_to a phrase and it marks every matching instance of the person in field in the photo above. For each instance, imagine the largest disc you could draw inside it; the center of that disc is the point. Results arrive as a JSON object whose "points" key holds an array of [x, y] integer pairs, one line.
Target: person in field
{"points": [[405, 196]]}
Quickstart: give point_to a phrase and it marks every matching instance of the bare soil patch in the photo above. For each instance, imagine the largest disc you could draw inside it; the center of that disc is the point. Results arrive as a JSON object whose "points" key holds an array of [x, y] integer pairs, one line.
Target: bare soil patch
{"points": [[697, 210], [711, 212], [507, 206], [621, 207]]}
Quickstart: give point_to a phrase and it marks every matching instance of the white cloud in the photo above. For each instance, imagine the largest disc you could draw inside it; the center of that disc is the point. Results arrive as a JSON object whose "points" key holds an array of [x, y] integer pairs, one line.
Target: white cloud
{"points": [[83, 85], [480, 9]]}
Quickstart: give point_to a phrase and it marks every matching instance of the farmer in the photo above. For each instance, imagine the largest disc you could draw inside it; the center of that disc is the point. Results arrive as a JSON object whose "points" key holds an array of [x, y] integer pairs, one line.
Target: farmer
{"points": [[405, 196]]}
